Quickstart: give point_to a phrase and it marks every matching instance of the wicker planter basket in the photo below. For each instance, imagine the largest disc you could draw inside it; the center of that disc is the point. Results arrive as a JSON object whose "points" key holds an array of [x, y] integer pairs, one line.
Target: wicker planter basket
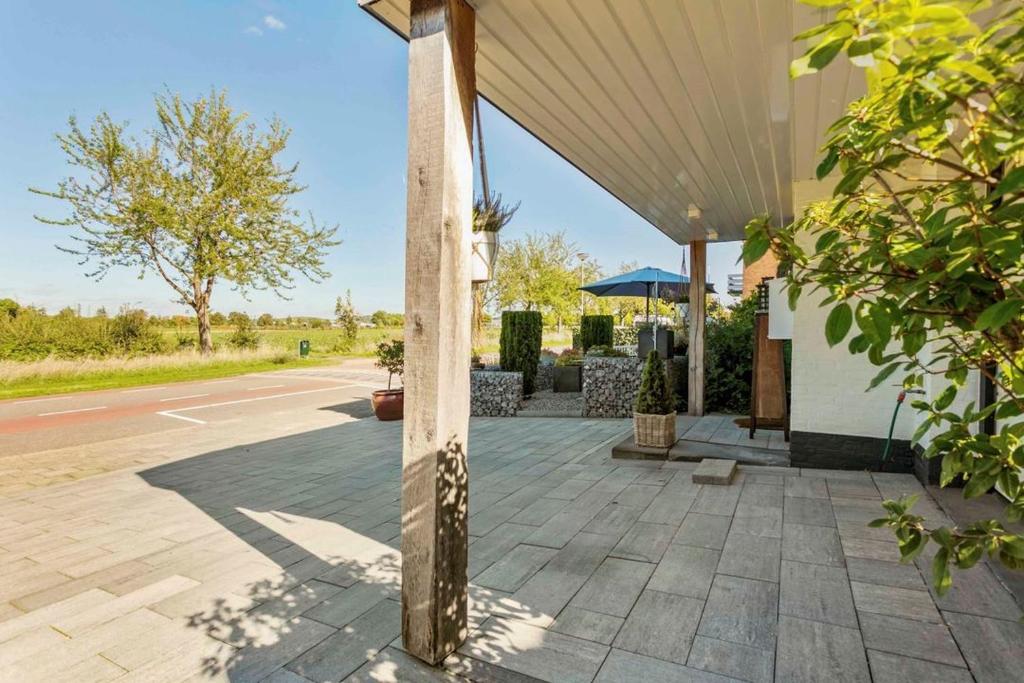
{"points": [[656, 431]]}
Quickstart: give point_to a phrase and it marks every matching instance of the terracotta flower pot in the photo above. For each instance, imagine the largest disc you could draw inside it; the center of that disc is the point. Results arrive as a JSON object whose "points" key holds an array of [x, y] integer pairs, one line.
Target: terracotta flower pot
{"points": [[389, 404]]}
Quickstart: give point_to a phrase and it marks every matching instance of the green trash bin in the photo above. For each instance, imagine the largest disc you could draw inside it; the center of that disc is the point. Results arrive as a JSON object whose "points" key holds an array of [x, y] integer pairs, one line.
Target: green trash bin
{"points": [[304, 348]]}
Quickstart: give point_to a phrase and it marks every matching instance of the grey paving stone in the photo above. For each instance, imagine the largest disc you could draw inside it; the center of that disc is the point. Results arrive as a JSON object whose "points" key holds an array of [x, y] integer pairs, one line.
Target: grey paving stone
{"points": [[884, 573], [890, 668], [860, 529], [472, 669], [741, 611], [910, 638], [992, 647], [637, 495], [394, 665], [550, 589], [570, 489], [751, 557], [533, 651], [977, 591], [512, 571], [485, 551], [895, 602], [645, 542], [886, 551], [765, 524], [731, 659], [294, 637], [815, 511], [856, 509], [812, 652], [714, 472], [853, 489], [670, 506], [613, 520], [351, 603], [614, 587], [586, 624], [762, 496], [349, 648], [703, 531], [539, 511], [661, 625], [685, 570], [627, 666], [816, 592], [806, 487], [813, 544], [716, 500]]}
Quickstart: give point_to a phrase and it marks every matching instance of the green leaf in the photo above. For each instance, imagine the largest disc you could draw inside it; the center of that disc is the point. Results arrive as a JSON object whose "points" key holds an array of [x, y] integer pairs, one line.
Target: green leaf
{"points": [[998, 314], [1014, 546], [1011, 182], [838, 323], [945, 398], [883, 375], [828, 163], [978, 485], [940, 572]]}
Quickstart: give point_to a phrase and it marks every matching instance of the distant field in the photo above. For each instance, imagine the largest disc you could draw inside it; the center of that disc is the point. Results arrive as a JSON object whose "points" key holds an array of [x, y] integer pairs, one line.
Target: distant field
{"points": [[323, 343], [278, 349]]}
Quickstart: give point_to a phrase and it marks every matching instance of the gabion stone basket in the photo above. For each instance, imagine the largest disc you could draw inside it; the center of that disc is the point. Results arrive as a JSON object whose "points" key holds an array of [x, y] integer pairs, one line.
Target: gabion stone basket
{"points": [[655, 431]]}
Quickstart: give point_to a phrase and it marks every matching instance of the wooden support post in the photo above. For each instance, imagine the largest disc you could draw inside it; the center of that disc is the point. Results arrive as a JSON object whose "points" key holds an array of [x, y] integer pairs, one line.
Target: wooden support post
{"points": [[698, 316], [435, 483]]}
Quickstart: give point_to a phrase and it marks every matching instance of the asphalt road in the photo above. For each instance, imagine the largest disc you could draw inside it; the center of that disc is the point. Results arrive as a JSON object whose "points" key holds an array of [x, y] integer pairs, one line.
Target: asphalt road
{"points": [[43, 423]]}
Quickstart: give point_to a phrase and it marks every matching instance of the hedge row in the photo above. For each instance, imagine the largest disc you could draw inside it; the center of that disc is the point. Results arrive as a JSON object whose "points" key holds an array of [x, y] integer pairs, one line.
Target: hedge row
{"points": [[520, 343], [597, 330]]}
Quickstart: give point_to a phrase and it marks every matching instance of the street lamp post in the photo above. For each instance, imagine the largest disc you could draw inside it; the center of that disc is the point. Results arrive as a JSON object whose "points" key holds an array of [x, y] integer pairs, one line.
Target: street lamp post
{"points": [[582, 257]]}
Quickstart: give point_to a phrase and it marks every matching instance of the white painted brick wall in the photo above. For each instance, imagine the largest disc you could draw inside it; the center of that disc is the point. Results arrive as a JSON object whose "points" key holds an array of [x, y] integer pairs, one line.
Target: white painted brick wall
{"points": [[829, 384]]}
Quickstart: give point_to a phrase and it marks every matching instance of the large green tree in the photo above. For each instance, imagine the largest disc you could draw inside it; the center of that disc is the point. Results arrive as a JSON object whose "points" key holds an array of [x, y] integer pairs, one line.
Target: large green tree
{"points": [[920, 249], [542, 272], [201, 198]]}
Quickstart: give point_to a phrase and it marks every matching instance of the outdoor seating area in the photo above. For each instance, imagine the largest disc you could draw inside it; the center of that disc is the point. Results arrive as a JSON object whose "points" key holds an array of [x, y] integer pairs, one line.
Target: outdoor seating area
{"points": [[280, 561]]}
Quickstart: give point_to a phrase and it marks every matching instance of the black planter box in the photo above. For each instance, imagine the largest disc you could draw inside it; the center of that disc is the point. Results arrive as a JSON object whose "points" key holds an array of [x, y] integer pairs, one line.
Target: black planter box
{"points": [[568, 378], [666, 342]]}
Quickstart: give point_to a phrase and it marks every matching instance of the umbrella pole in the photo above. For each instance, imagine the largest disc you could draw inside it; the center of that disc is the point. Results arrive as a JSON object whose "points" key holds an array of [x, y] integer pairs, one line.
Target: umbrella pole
{"points": [[647, 312]]}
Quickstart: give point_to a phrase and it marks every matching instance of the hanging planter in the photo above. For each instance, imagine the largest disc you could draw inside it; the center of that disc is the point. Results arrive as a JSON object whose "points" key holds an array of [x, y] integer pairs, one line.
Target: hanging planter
{"points": [[485, 255], [489, 217]]}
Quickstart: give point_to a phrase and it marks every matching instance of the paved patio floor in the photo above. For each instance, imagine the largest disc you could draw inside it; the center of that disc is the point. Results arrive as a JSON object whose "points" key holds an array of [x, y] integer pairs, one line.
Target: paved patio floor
{"points": [[278, 561]]}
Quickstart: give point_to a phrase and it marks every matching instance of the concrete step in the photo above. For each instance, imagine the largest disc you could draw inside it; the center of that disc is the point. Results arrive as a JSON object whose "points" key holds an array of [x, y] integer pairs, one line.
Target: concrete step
{"points": [[695, 451], [714, 471]]}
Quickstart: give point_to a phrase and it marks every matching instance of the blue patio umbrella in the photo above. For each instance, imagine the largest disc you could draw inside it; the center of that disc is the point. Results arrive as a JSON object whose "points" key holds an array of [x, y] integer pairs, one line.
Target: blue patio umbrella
{"points": [[644, 282]]}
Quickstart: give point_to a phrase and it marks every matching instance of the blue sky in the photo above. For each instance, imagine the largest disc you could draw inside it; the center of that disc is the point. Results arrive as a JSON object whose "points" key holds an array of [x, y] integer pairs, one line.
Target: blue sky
{"points": [[333, 74]]}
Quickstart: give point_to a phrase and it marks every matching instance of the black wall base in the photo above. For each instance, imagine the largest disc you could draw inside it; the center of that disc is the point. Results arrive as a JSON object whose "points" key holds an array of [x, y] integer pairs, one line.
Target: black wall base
{"points": [[842, 452]]}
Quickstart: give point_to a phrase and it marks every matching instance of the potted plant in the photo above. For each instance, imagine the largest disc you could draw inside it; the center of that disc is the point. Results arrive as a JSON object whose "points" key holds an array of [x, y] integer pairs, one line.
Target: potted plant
{"points": [[568, 375], [490, 215], [654, 418], [389, 404]]}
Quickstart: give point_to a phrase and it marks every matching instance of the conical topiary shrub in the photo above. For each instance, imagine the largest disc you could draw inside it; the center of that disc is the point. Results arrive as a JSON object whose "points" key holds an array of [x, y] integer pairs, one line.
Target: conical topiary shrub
{"points": [[654, 419]]}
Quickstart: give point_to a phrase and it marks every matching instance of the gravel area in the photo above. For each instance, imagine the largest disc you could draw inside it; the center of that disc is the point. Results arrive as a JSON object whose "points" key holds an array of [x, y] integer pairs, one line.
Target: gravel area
{"points": [[550, 404]]}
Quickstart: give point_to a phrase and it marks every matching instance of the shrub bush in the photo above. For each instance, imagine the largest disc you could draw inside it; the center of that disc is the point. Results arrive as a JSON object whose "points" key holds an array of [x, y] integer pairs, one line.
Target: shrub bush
{"points": [[729, 358], [654, 397], [625, 335], [245, 335], [132, 333], [519, 346], [597, 330]]}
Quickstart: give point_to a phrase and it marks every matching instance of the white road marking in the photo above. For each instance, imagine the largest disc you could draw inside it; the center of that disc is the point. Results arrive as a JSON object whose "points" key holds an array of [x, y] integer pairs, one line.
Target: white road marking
{"points": [[220, 381], [136, 391], [76, 410], [182, 398], [168, 413], [258, 398], [269, 386], [39, 400]]}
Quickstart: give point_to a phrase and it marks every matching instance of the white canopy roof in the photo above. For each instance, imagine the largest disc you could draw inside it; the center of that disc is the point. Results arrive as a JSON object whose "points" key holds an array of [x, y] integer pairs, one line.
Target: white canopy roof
{"points": [[683, 109]]}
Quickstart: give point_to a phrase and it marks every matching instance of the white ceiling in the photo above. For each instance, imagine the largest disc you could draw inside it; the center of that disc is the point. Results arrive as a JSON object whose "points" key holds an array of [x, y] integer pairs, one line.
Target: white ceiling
{"points": [[670, 105]]}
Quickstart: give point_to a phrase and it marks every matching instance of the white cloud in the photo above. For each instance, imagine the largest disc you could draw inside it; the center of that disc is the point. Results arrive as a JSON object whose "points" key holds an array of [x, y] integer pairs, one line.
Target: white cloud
{"points": [[254, 31], [273, 23]]}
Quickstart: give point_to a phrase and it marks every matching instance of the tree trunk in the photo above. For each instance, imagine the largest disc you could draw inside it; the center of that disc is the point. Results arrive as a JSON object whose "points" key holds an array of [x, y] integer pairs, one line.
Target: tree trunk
{"points": [[478, 314], [205, 335]]}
